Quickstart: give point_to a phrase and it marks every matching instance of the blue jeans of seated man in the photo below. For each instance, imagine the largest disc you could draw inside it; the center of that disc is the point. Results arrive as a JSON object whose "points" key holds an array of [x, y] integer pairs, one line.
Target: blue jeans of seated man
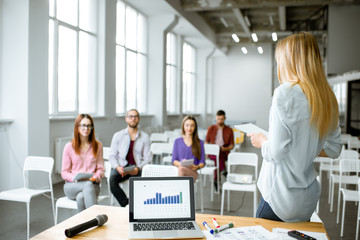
{"points": [[264, 211]]}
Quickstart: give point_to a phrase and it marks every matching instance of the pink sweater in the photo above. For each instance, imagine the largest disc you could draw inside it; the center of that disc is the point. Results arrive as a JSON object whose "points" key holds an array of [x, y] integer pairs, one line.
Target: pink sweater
{"points": [[83, 163]]}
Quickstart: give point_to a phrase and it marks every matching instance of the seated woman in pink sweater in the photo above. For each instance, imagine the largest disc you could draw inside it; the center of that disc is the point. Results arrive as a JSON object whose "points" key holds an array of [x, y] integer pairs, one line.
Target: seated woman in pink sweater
{"points": [[84, 154]]}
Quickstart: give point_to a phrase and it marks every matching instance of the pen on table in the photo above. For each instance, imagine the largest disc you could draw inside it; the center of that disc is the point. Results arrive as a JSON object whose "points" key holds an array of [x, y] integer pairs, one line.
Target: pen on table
{"points": [[215, 223], [230, 225], [208, 227]]}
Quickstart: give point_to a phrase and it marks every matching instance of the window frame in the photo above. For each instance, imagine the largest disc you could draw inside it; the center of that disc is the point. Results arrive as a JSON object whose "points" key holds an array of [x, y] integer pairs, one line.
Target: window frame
{"points": [[57, 23], [192, 72], [121, 110]]}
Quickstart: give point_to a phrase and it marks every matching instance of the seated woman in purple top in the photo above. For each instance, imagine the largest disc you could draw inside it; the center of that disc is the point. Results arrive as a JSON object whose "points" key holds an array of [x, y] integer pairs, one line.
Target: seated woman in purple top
{"points": [[189, 146]]}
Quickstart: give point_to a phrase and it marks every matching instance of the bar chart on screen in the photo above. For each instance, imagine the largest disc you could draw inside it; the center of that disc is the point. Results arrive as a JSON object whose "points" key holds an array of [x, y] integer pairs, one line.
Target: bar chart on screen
{"points": [[161, 200]]}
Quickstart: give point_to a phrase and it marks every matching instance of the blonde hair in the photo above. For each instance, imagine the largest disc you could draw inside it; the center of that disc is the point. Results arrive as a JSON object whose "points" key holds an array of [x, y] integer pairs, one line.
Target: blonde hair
{"points": [[299, 62]]}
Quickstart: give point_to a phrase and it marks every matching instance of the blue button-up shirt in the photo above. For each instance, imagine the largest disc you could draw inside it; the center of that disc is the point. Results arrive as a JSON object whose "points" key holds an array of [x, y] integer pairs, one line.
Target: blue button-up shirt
{"points": [[287, 180]]}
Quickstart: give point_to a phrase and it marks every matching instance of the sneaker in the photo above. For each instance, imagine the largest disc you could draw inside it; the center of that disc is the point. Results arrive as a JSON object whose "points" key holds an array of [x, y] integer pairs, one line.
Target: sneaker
{"points": [[224, 173], [215, 185]]}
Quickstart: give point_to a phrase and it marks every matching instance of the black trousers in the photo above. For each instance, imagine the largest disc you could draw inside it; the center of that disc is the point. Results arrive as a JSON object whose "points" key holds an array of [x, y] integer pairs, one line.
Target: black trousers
{"points": [[119, 194]]}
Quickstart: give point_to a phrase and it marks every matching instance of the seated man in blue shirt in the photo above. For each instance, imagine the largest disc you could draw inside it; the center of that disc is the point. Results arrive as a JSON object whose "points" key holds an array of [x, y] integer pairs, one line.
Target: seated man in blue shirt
{"points": [[129, 147]]}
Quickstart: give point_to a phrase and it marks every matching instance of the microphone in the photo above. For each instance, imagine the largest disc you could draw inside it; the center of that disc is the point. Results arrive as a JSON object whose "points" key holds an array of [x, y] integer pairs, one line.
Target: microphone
{"points": [[98, 221]]}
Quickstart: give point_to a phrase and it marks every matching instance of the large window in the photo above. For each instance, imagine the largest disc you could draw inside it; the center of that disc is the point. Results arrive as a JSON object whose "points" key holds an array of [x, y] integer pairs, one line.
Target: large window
{"points": [[73, 43], [171, 74], [131, 59], [188, 78]]}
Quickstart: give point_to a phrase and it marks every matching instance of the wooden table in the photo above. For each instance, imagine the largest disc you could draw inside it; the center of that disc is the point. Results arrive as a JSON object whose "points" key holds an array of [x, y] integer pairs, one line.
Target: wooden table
{"points": [[117, 225]]}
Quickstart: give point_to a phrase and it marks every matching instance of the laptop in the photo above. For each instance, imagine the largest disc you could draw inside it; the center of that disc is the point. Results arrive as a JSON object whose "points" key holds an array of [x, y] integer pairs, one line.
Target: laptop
{"points": [[162, 207]]}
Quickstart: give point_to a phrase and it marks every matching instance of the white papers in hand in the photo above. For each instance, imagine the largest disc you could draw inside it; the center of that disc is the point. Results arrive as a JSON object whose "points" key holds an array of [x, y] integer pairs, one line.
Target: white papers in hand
{"points": [[187, 162], [250, 128], [80, 176]]}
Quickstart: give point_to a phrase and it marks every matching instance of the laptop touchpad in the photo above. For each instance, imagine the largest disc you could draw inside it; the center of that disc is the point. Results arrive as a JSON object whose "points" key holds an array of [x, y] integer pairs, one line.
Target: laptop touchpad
{"points": [[173, 234]]}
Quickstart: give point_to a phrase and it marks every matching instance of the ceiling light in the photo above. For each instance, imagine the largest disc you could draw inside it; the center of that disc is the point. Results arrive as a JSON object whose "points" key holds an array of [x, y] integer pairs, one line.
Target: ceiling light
{"points": [[235, 37], [244, 50], [274, 36], [260, 50], [247, 21], [224, 22], [254, 37], [271, 20]]}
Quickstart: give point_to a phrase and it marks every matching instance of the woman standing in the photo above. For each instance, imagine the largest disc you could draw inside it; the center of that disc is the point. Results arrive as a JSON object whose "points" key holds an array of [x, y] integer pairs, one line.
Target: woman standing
{"points": [[303, 125], [84, 154], [189, 146]]}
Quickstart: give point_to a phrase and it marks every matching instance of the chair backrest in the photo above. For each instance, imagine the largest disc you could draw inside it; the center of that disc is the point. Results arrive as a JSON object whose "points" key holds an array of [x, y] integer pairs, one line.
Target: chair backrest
{"points": [[107, 167], [152, 170], [242, 158], [35, 163], [158, 137], [348, 166], [345, 138], [172, 140], [106, 153], [171, 134], [349, 154], [160, 148], [212, 149]]}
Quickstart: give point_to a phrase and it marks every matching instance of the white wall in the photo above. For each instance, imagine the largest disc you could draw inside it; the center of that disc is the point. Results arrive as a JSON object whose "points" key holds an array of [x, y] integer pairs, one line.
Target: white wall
{"points": [[242, 85], [344, 39], [14, 90]]}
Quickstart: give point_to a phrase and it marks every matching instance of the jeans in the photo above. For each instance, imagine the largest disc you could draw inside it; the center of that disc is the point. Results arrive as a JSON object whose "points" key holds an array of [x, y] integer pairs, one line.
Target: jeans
{"points": [[264, 211]]}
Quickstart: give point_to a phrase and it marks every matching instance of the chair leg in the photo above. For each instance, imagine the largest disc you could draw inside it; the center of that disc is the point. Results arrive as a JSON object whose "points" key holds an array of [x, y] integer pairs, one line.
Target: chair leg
{"points": [[222, 202], [329, 175], [28, 220], [332, 196], [201, 193], [342, 219], [212, 188], [228, 200], [255, 201], [338, 209], [357, 224], [53, 206], [56, 215]]}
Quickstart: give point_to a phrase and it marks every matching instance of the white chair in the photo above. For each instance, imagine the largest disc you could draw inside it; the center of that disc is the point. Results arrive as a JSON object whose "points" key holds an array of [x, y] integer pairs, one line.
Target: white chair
{"points": [[347, 167], [208, 170], [354, 143], [153, 170], [65, 202], [106, 153], [335, 178], [25, 194], [243, 159], [345, 138], [158, 137], [160, 149], [167, 160], [172, 134], [358, 215]]}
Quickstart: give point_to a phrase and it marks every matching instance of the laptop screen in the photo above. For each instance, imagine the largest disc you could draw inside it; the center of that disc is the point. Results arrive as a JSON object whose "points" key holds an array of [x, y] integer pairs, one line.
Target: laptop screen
{"points": [[161, 198]]}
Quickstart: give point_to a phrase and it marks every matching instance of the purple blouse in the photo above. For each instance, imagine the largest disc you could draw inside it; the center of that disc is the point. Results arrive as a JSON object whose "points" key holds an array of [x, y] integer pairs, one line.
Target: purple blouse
{"points": [[181, 151]]}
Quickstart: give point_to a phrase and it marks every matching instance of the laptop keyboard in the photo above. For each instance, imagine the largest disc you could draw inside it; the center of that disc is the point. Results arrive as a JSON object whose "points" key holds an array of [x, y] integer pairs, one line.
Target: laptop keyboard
{"points": [[164, 226]]}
